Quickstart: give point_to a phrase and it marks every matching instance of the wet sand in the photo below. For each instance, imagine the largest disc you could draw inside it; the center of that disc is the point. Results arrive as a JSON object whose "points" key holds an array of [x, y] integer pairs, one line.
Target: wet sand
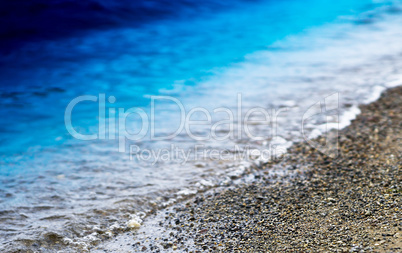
{"points": [[351, 203]]}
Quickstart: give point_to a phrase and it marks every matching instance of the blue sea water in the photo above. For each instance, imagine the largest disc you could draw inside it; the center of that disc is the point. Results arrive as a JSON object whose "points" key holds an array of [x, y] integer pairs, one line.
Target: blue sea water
{"points": [[132, 50], [38, 81]]}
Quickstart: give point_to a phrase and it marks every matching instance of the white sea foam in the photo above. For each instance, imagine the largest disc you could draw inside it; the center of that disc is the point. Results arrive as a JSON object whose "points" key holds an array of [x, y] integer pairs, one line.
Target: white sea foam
{"points": [[395, 81]]}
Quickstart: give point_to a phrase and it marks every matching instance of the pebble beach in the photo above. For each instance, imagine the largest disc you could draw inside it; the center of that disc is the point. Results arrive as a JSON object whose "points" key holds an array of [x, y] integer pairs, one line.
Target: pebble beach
{"points": [[350, 203]]}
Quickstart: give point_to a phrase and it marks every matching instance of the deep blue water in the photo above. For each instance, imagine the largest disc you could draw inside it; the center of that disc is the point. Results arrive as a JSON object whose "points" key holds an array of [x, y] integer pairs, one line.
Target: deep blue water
{"points": [[22, 21]]}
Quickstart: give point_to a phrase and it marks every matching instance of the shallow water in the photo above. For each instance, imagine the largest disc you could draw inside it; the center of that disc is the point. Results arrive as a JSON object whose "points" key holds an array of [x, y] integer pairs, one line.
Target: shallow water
{"points": [[266, 54]]}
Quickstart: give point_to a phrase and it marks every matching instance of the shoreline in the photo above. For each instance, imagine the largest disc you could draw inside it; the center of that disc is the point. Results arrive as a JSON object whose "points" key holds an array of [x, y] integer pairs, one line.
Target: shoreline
{"points": [[63, 194], [346, 204]]}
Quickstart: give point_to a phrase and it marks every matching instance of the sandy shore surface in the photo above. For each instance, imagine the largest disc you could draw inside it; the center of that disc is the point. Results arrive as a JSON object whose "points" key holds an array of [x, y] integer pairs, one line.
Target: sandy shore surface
{"points": [[351, 203]]}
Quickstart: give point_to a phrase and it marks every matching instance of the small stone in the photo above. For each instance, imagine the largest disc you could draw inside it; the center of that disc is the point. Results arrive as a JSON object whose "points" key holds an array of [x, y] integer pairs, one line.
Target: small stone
{"points": [[134, 223]]}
